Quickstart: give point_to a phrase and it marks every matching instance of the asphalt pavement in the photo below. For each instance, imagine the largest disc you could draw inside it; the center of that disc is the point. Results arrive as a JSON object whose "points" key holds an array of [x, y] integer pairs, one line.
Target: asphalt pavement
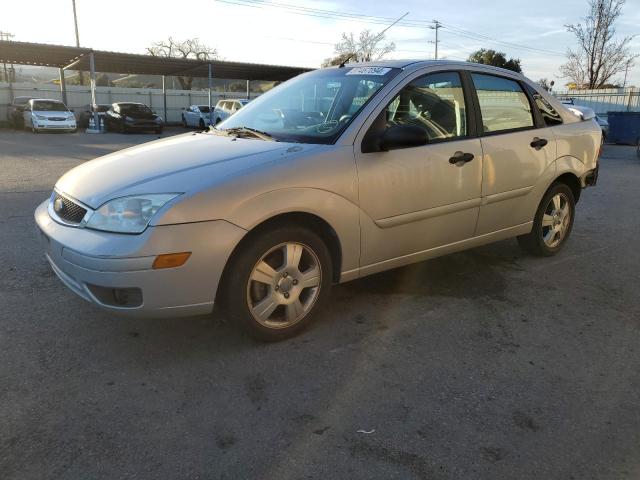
{"points": [[487, 364]]}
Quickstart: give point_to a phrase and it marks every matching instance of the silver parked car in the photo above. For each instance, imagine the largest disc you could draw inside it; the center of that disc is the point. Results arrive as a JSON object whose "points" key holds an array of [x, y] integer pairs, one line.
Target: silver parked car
{"points": [[336, 174], [225, 108], [196, 116], [43, 114]]}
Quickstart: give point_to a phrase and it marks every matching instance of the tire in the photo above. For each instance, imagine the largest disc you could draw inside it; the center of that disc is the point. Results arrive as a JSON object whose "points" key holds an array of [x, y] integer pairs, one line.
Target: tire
{"points": [[201, 124], [34, 129], [159, 131], [553, 222], [288, 307], [217, 121], [184, 122]]}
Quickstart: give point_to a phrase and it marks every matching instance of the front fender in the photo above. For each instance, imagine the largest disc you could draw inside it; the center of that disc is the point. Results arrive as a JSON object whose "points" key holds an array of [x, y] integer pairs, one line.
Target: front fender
{"points": [[341, 214]]}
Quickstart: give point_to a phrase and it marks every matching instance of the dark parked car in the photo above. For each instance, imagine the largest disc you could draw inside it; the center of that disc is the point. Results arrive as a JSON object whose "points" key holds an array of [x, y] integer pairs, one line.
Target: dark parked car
{"points": [[14, 112], [129, 117], [86, 111]]}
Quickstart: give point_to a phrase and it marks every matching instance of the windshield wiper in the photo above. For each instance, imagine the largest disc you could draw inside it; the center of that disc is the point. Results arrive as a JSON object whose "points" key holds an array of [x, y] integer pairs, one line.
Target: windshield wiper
{"points": [[256, 133]]}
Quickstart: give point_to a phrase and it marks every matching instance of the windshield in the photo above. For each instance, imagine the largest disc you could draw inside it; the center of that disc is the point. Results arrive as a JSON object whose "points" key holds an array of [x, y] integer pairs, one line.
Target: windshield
{"points": [[204, 108], [132, 108], [312, 108], [47, 106]]}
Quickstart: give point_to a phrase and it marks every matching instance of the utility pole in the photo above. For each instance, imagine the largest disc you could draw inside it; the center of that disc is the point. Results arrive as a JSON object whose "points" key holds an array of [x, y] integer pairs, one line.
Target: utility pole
{"points": [[626, 71], [6, 36], [436, 26], [75, 23]]}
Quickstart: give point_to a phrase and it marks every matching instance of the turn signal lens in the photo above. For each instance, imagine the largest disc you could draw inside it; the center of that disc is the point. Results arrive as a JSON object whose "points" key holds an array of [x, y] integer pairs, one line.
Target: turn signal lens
{"points": [[171, 260]]}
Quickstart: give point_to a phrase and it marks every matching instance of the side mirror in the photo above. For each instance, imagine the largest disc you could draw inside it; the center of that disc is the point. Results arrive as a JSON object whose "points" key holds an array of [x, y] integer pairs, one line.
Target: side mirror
{"points": [[403, 136]]}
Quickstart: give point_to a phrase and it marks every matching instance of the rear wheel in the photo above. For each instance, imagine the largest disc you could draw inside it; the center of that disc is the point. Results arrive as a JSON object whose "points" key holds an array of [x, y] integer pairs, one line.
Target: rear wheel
{"points": [[553, 222], [184, 122], [277, 283], [201, 124]]}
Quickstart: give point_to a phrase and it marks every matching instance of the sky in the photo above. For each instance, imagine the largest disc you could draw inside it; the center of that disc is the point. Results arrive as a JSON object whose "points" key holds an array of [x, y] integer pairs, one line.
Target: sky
{"points": [[270, 31]]}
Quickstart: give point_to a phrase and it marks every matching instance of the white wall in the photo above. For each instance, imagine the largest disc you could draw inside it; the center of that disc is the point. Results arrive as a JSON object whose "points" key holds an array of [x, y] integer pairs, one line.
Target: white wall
{"points": [[605, 100], [77, 96]]}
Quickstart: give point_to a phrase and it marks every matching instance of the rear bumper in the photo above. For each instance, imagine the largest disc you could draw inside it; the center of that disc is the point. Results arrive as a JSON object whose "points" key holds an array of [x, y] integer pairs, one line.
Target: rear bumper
{"points": [[590, 178], [93, 264]]}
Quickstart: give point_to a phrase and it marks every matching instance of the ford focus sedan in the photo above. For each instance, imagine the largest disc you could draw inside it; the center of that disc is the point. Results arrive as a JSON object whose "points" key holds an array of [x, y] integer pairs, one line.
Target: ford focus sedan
{"points": [[41, 114], [336, 174]]}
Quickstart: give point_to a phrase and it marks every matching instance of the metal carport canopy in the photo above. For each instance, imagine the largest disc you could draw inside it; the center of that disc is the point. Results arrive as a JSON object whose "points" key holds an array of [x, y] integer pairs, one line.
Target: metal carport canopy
{"points": [[78, 58], [62, 56]]}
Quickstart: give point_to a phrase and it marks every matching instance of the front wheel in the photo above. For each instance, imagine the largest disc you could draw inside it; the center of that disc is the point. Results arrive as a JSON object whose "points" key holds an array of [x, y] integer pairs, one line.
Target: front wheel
{"points": [[553, 222], [277, 282]]}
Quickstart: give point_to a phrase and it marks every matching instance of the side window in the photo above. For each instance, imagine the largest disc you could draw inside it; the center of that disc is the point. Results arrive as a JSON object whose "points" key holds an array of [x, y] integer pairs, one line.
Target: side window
{"points": [[549, 114], [503, 103], [434, 102]]}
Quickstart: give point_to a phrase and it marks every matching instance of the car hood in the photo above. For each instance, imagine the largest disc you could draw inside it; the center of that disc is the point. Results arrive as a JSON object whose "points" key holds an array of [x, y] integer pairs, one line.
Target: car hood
{"points": [[182, 164], [49, 113]]}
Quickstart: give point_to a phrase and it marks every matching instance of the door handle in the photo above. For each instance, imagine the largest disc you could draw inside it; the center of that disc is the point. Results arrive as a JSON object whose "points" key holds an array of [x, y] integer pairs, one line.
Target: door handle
{"points": [[461, 158], [538, 143]]}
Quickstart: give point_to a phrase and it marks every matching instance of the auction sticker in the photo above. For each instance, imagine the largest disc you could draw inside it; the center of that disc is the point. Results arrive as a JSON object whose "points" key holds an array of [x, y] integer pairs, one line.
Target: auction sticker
{"points": [[368, 71]]}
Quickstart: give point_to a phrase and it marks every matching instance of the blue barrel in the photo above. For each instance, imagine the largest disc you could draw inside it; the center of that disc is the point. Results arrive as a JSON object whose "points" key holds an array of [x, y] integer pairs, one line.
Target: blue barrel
{"points": [[624, 127]]}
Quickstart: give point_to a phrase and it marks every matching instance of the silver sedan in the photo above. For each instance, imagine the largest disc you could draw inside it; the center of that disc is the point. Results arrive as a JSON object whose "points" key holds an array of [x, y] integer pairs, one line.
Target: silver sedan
{"points": [[336, 174]]}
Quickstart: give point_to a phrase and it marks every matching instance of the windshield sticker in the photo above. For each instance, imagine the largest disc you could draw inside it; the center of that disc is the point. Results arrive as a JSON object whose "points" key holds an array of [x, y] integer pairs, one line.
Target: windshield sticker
{"points": [[368, 71]]}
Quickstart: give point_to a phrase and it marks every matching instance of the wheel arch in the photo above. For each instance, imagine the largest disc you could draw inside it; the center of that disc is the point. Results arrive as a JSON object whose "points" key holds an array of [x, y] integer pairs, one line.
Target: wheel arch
{"points": [[572, 181], [301, 218]]}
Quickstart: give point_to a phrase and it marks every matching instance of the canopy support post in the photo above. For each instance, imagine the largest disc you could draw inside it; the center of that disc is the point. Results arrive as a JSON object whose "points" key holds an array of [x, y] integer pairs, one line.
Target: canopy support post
{"points": [[248, 90], [164, 99], [92, 71], [210, 106], [63, 86]]}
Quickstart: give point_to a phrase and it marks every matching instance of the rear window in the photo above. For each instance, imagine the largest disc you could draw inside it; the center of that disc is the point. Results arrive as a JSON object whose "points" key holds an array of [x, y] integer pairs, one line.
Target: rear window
{"points": [[21, 100], [503, 104], [204, 108]]}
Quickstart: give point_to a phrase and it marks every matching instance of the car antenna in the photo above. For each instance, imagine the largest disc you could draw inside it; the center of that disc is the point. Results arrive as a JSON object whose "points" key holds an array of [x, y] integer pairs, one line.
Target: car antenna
{"points": [[351, 55]]}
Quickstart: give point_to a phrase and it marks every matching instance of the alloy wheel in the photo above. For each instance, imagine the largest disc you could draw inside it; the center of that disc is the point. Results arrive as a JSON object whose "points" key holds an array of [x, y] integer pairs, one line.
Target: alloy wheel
{"points": [[556, 220], [284, 285]]}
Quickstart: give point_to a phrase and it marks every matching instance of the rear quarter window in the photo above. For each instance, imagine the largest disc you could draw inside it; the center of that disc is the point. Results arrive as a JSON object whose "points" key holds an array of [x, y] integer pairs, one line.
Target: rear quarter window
{"points": [[503, 104]]}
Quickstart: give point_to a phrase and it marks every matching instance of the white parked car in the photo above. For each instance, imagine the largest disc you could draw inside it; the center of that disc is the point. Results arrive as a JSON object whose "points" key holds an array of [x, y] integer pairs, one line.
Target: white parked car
{"points": [[225, 108], [44, 114], [196, 116]]}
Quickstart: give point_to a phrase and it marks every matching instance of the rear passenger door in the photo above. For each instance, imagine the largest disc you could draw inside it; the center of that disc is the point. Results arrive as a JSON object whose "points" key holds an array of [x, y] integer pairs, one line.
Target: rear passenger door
{"points": [[517, 151]]}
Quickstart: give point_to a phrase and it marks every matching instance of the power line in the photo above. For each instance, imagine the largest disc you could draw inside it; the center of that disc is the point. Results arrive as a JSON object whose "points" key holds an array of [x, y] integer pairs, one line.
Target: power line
{"points": [[371, 19]]}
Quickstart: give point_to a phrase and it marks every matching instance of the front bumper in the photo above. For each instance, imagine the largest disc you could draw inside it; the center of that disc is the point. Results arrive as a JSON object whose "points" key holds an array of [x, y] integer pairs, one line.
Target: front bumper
{"points": [[89, 261], [41, 125]]}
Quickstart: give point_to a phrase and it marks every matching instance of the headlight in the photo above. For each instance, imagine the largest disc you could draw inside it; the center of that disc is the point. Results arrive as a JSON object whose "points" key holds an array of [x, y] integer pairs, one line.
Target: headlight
{"points": [[128, 214], [41, 117]]}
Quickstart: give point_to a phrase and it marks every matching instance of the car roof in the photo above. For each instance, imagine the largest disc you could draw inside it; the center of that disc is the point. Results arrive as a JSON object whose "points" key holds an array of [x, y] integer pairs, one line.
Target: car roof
{"points": [[415, 64], [129, 103], [46, 100]]}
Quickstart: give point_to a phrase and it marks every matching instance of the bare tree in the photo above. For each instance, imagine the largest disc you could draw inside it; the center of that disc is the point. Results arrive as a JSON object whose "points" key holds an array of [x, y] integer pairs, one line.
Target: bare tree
{"points": [[191, 48], [365, 48], [599, 56], [546, 84]]}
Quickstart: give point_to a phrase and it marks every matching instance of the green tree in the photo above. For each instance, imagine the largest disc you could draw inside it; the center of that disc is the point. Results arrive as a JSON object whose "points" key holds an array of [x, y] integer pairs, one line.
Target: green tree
{"points": [[497, 59]]}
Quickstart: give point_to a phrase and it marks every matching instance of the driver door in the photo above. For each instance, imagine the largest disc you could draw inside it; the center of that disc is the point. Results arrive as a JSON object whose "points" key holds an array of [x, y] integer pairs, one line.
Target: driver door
{"points": [[419, 198]]}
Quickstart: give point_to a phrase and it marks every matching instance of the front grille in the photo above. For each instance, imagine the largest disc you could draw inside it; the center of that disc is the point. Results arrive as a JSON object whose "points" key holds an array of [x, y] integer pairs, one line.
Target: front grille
{"points": [[57, 119], [68, 210]]}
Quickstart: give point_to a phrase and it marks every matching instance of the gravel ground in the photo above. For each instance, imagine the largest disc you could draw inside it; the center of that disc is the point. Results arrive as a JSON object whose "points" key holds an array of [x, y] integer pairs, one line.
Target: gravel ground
{"points": [[484, 364]]}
